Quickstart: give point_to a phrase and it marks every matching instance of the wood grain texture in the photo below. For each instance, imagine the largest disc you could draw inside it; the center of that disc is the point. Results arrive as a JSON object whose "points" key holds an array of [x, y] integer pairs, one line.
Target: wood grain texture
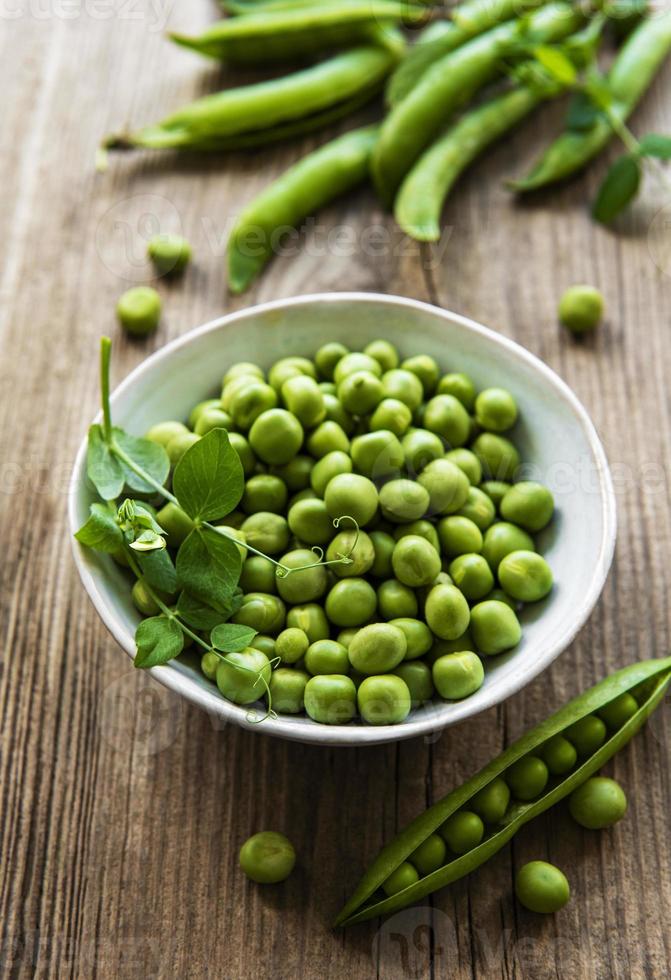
{"points": [[122, 808]]}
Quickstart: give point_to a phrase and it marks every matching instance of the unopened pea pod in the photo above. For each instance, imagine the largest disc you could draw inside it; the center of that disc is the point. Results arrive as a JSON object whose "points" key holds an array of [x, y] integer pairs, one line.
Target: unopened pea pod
{"points": [[288, 34], [634, 68], [646, 681], [305, 187], [441, 37], [448, 84], [215, 121]]}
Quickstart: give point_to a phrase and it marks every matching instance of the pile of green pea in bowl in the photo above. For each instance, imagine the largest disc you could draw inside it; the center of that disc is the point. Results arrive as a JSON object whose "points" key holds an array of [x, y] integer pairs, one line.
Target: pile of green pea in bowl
{"points": [[343, 536]]}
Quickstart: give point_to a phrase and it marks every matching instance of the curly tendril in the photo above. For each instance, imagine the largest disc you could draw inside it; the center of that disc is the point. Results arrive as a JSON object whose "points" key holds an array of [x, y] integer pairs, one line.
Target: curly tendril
{"points": [[282, 571]]}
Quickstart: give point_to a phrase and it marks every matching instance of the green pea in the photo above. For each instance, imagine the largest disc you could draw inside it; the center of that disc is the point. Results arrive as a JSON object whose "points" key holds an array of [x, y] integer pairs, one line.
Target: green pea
{"points": [[421, 447], [175, 523], [179, 444], [290, 367], [356, 545], [327, 657], [467, 462], [464, 830], [237, 675], [377, 455], [441, 647], [495, 627], [446, 612], [430, 855], [541, 887], [587, 735], [267, 857], [310, 522], [423, 529], [264, 492], [502, 539], [209, 663], [276, 436], [352, 495], [383, 352], [495, 490], [244, 451], [287, 690], [296, 474], [417, 675], [326, 468], [139, 310], [495, 410], [212, 418], [360, 392], [242, 369], [525, 576], [415, 561], [377, 648], [328, 437], [204, 406], [346, 636], [478, 508], [351, 363], [447, 417], [291, 645], [405, 875], [303, 398], [458, 675], [250, 400], [383, 544], [403, 500], [404, 386], [264, 643], [163, 432], [351, 602], [502, 596], [263, 612], [618, 711], [383, 700], [170, 253], [328, 356], [417, 635], [143, 600], [459, 536], [598, 803], [336, 413], [527, 777], [310, 618], [472, 576], [459, 386], [499, 458], [392, 415], [237, 384], [559, 755], [528, 504], [258, 575], [491, 802], [306, 583], [426, 369], [266, 532], [581, 309], [330, 699], [447, 486], [396, 600]]}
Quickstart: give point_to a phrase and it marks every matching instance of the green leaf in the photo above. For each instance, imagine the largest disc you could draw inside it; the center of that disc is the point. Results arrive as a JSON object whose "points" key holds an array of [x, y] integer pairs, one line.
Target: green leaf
{"points": [[158, 569], [101, 530], [208, 566], [655, 145], [618, 189], [104, 470], [148, 455], [556, 63], [158, 640], [208, 480], [582, 113], [231, 637], [199, 616]]}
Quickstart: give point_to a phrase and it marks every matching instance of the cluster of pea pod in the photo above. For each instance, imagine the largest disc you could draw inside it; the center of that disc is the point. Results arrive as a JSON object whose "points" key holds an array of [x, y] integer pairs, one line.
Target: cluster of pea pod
{"points": [[416, 154], [471, 824]]}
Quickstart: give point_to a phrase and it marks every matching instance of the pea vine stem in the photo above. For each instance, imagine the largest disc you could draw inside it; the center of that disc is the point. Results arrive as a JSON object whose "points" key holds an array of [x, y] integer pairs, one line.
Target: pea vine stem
{"points": [[105, 354]]}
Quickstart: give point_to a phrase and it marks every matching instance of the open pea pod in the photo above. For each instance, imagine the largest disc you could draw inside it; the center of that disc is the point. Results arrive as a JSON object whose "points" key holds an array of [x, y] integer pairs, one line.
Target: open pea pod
{"points": [[646, 681]]}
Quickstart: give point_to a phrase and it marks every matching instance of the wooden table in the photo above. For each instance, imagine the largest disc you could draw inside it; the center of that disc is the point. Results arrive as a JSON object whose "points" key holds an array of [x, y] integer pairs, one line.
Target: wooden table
{"points": [[122, 807]]}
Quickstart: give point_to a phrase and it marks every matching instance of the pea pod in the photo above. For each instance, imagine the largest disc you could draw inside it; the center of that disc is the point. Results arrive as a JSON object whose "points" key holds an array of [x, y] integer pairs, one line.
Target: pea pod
{"points": [[440, 38], [305, 187], [224, 119], [448, 84], [646, 681], [291, 33], [633, 70]]}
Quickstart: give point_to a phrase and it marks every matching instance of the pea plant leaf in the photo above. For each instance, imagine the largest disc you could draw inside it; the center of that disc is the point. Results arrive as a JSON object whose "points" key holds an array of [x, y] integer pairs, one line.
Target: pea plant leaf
{"points": [[158, 569], [208, 480], [231, 637], [147, 455], [582, 113], [558, 65], [103, 468], [200, 616], [208, 566], [618, 189], [101, 530], [655, 145], [158, 639]]}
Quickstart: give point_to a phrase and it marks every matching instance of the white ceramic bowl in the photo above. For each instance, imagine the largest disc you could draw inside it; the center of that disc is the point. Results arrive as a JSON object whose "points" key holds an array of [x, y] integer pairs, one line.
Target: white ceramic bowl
{"points": [[554, 434]]}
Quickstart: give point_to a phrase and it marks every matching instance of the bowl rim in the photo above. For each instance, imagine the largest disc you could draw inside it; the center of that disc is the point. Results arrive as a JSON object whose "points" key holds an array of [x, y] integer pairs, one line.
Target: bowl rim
{"points": [[357, 735]]}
